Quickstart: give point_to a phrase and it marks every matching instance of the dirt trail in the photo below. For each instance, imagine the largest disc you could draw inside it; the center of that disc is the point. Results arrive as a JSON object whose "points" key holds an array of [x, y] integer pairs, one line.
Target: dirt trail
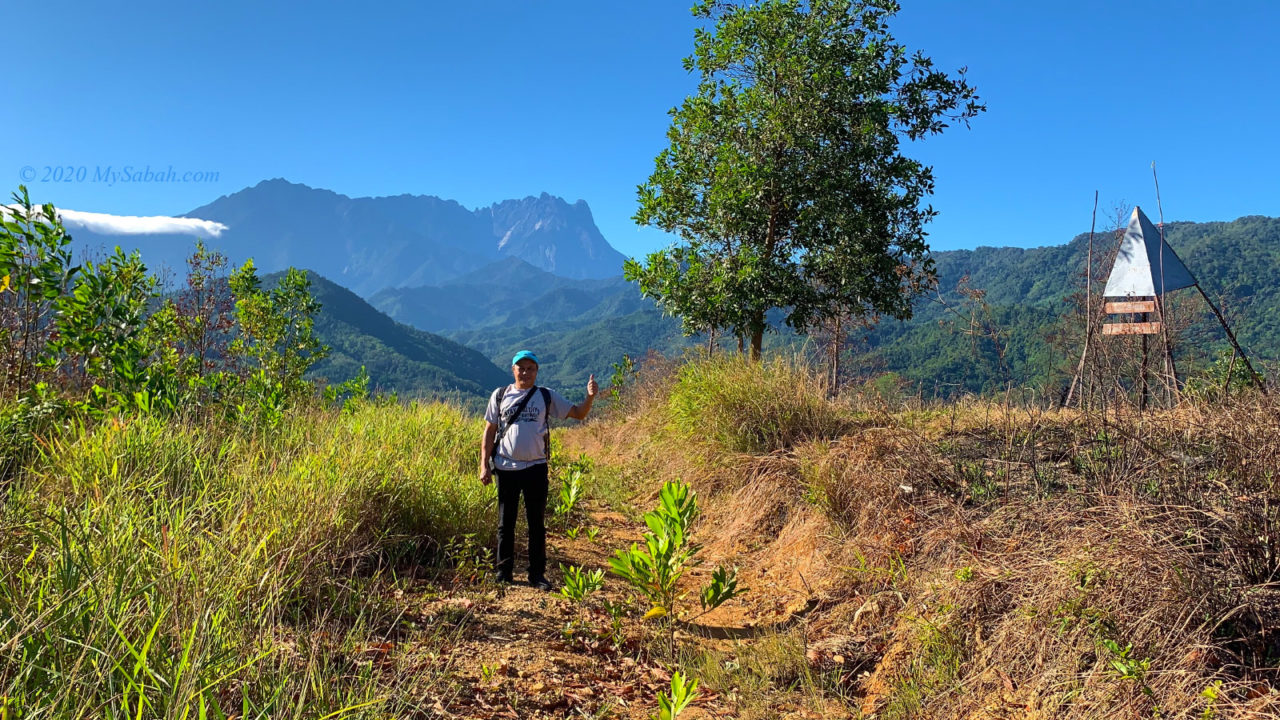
{"points": [[513, 656]]}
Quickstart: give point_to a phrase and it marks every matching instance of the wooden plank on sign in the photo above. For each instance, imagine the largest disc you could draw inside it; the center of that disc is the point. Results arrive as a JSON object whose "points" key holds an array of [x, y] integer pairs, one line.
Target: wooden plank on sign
{"points": [[1143, 328], [1135, 306]]}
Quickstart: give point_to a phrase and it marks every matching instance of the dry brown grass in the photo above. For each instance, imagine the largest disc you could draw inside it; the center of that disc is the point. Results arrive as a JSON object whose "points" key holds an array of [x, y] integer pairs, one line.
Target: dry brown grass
{"points": [[984, 560]]}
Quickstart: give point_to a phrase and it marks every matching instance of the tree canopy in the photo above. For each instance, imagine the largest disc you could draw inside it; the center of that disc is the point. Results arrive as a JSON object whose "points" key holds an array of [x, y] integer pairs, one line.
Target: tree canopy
{"points": [[784, 176]]}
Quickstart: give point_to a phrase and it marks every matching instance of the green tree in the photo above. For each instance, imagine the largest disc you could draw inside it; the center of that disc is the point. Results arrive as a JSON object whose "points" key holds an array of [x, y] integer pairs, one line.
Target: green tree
{"points": [[276, 328], [204, 312], [35, 271], [100, 328], [784, 176]]}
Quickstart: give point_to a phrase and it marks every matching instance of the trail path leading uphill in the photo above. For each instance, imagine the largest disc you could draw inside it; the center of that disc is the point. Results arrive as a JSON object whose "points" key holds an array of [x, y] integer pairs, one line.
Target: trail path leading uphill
{"points": [[513, 653]]}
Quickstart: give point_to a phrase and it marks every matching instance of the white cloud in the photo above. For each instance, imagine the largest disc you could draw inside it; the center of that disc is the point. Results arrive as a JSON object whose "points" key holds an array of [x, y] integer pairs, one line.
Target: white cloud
{"points": [[106, 224]]}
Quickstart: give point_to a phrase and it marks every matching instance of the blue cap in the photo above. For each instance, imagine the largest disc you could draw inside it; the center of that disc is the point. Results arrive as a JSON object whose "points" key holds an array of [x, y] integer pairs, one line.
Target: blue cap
{"points": [[525, 355]]}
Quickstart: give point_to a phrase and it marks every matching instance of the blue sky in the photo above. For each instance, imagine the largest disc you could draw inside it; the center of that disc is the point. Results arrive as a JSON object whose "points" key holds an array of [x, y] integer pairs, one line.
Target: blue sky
{"points": [[479, 102]]}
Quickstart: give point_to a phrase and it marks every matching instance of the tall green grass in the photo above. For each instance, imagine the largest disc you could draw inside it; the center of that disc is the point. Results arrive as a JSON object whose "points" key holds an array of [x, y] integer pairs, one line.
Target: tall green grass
{"points": [[748, 407], [159, 570]]}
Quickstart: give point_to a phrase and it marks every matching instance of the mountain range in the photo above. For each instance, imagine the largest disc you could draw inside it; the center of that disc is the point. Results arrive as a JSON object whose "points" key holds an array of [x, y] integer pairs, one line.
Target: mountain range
{"points": [[371, 243]]}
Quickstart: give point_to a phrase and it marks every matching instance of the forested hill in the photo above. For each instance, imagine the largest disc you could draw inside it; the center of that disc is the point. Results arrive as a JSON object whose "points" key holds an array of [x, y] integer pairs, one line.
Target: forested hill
{"points": [[396, 356], [1028, 291], [1235, 253]]}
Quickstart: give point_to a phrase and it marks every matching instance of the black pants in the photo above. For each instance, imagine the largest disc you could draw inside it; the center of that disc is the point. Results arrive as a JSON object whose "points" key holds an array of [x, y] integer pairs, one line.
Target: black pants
{"points": [[532, 481]]}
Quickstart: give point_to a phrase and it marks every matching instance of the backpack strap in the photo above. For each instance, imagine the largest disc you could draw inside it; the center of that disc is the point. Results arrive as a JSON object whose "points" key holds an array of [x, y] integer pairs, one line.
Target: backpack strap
{"points": [[546, 423], [507, 420]]}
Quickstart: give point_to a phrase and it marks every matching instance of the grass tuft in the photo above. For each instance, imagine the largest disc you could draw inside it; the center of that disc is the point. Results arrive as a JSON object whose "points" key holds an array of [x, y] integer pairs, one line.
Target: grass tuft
{"points": [[155, 569], [744, 407]]}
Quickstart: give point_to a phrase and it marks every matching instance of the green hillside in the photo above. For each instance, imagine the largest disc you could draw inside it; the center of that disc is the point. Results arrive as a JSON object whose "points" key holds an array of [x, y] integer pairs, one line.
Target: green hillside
{"points": [[396, 356], [570, 351], [576, 326], [1029, 291]]}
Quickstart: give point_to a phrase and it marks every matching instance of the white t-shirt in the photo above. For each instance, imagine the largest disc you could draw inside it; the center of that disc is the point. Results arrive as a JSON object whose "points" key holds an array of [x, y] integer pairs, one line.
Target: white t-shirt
{"points": [[524, 444]]}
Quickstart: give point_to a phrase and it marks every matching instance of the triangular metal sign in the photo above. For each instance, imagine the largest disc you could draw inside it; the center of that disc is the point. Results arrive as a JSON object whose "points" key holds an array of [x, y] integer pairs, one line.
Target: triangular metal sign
{"points": [[1146, 266]]}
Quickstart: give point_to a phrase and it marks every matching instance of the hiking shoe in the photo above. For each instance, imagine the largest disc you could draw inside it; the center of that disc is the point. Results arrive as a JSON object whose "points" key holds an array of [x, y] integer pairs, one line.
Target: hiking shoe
{"points": [[503, 579], [540, 583]]}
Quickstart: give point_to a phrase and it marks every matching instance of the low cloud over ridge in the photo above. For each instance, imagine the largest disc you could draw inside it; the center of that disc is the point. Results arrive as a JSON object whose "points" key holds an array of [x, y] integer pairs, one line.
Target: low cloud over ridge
{"points": [[105, 224]]}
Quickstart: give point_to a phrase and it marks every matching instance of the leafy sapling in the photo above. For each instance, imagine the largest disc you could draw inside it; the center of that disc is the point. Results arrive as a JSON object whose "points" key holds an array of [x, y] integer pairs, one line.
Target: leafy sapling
{"points": [[572, 490], [655, 570], [683, 691], [578, 586]]}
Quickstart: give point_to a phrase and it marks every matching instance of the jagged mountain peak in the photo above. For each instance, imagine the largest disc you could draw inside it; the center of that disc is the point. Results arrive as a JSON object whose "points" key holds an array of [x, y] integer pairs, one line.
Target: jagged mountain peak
{"points": [[405, 240]]}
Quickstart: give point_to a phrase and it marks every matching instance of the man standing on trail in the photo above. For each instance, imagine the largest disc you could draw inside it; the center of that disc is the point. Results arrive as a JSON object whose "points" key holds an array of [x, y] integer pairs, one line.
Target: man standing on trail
{"points": [[516, 446]]}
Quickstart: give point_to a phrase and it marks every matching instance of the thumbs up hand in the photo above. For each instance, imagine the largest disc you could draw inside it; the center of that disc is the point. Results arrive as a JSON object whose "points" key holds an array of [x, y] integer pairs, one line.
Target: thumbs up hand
{"points": [[592, 387]]}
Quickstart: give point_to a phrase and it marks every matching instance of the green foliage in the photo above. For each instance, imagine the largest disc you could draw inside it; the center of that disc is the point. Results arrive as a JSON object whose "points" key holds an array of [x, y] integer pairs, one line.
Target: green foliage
{"points": [[90, 333], [1026, 290], [935, 668], [683, 691], [203, 316], [1226, 374], [655, 570], [1128, 668], [572, 484], [784, 177], [933, 353], [624, 373], [101, 336], [36, 413], [276, 327], [168, 569], [579, 584], [350, 392], [472, 561], [751, 407], [571, 349], [1211, 694], [35, 272], [722, 588], [276, 340]]}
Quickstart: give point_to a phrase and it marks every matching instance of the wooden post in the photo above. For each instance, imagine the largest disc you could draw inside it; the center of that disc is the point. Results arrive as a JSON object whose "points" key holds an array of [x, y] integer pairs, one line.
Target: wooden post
{"points": [[1253, 374], [836, 341], [1142, 373], [1078, 378], [1170, 367]]}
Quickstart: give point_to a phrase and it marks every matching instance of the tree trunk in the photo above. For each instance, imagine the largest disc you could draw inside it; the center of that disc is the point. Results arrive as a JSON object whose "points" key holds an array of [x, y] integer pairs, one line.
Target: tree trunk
{"points": [[757, 339], [837, 340]]}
